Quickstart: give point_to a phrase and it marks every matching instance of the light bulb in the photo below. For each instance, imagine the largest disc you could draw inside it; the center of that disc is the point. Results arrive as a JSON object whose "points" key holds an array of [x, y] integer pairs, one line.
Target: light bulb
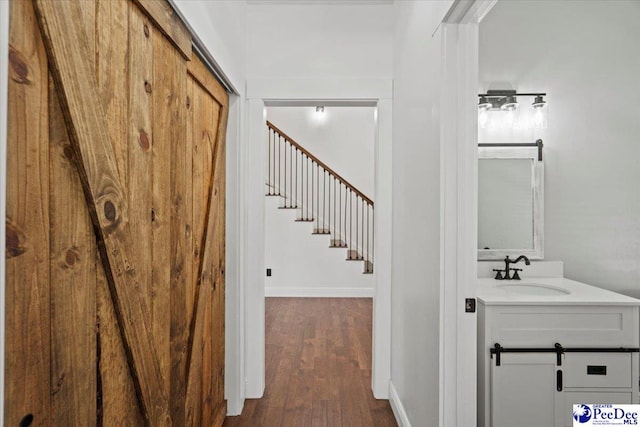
{"points": [[538, 118], [483, 118], [320, 116], [510, 118]]}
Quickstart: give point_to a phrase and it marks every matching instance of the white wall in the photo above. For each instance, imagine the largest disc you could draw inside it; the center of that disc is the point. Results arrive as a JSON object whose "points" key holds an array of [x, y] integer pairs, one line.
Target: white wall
{"points": [[302, 263], [221, 25], [319, 41], [415, 294], [344, 139], [586, 56]]}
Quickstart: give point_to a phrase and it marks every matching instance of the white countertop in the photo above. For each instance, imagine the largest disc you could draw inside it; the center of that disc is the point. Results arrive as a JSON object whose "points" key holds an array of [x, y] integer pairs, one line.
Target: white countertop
{"points": [[489, 293]]}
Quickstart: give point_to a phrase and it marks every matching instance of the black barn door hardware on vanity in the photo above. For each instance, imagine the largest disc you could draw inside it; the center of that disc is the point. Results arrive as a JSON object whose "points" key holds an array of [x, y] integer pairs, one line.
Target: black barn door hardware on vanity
{"points": [[498, 350]]}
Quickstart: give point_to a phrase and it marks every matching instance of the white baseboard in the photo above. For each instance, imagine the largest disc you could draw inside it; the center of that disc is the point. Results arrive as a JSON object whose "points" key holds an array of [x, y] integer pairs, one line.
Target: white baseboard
{"points": [[319, 292], [396, 406]]}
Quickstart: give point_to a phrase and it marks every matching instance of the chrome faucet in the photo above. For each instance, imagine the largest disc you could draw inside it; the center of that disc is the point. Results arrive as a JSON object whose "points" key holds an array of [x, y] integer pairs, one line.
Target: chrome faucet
{"points": [[507, 269]]}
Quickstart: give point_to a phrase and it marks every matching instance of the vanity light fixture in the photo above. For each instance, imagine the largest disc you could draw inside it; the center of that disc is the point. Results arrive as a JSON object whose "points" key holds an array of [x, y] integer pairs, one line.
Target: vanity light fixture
{"points": [[320, 109], [539, 102], [484, 104], [539, 114], [510, 104], [507, 101]]}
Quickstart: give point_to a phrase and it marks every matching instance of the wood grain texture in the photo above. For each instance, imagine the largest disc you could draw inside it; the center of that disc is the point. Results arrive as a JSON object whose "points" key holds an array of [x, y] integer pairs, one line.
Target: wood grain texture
{"points": [[200, 184], [112, 76], [118, 401], [208, 146], [27, 362], [141, 141], [168, 129], [206, 343], [201, 74], [73, 283], [119, 405], [180, 239], [115, 220], [169, 23], [318, 366], [217, 236], [76, 83], [193, 399]]}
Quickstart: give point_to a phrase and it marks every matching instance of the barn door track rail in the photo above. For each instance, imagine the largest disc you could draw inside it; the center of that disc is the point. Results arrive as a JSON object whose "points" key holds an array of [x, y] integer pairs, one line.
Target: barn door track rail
{"points": [[558, 349]]}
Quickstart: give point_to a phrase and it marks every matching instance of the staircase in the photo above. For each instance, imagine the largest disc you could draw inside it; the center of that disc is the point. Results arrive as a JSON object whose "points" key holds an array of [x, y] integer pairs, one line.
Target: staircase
{"points": [[321, 196]]}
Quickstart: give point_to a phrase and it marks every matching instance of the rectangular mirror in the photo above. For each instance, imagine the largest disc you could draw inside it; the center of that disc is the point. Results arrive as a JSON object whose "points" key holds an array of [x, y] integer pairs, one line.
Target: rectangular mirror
{"points": [[510, 201]]}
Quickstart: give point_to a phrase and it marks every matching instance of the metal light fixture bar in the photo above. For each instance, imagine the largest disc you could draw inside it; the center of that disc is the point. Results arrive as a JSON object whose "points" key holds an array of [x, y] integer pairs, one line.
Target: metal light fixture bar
{"points": [[505, 93], [506, 99]]}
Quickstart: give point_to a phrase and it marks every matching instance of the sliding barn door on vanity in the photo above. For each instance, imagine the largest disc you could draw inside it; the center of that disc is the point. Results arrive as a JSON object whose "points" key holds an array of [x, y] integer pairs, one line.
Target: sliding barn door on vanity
{"points": [[115, 218]]}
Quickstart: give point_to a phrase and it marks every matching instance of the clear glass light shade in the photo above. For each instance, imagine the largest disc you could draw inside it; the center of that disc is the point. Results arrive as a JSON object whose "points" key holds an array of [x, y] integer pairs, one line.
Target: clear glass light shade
{"points": [[540, 118], [483, 118]]}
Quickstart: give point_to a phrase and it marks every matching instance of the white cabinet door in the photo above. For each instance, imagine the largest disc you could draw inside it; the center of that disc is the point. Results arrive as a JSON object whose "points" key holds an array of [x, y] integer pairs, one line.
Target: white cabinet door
{"points": [[524, 391]]}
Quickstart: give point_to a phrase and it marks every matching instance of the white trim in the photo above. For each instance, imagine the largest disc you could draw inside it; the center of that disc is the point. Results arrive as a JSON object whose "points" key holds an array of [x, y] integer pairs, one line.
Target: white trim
{"points": [[309, 292], [4, 80], [458, 363], [234, 286], [252, 212], [325, 103], [382, 251], [320, 89], [263, 91], [396, 406]]}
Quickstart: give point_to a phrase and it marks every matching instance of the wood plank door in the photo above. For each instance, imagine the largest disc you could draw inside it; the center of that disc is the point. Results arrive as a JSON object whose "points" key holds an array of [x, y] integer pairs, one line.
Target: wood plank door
{"points": [[115, 218]]}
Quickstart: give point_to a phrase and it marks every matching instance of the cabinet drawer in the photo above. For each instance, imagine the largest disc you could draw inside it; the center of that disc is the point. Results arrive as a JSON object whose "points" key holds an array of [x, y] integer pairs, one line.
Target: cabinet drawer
{"points": [[586, 370]]}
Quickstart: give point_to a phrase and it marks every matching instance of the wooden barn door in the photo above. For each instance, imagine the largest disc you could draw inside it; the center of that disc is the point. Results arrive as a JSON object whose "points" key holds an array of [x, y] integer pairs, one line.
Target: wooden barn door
{"points": [[115, 219]]}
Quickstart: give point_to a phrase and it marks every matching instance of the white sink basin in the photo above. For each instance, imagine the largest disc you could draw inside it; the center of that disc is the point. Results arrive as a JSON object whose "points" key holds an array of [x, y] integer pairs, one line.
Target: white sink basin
{"points": [[530, 288]]}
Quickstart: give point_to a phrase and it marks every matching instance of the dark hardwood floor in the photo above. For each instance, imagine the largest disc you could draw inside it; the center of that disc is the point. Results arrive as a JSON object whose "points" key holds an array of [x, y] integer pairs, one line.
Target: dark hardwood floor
{"points": [[318, 366]]}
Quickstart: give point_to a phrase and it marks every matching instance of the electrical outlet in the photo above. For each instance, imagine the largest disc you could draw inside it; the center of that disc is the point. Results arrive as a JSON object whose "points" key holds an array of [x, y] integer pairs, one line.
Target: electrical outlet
{"points": [[470, 305], [268, 272]]}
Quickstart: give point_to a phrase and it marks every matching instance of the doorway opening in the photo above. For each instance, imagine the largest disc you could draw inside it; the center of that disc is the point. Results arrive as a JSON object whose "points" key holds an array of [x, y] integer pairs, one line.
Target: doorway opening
{"points": [[318, 351], [379, 106], [319, 207]]}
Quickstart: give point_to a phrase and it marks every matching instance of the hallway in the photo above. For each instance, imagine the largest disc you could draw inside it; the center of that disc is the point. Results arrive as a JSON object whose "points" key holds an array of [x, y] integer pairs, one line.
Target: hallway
{"points": [[318, 366]]}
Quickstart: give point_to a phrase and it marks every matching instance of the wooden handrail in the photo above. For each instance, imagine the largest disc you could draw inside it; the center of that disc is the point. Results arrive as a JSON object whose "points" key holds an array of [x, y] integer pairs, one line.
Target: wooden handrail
{"points": [[319, 162]]}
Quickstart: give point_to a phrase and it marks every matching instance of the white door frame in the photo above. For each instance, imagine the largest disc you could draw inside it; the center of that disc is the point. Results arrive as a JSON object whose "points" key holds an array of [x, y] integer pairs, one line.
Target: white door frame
{"points": [[458, 246], [342, 91]]}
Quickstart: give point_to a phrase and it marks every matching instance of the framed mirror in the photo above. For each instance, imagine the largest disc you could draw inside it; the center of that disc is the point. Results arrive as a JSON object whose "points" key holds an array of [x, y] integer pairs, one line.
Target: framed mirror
{"points": [[510, 201]]}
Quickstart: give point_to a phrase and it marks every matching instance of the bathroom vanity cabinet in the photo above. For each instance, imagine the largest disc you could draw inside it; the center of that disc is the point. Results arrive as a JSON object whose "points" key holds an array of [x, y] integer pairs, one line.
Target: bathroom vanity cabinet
{"points": [[579, 346]]}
